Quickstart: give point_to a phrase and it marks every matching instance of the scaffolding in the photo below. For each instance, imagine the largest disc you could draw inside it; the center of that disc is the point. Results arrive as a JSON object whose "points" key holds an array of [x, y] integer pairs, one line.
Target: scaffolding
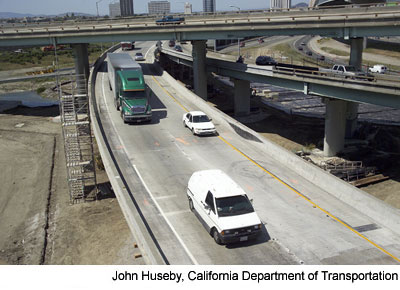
{"points": [[78, 140]]}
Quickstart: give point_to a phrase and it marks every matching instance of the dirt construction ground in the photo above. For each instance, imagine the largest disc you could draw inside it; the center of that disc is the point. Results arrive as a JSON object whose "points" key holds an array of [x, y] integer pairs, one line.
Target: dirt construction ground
{"points": [[37, 223]]}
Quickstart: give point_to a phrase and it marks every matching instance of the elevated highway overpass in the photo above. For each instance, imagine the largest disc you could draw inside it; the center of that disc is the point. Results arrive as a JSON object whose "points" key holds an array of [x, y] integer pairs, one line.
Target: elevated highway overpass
{"points": [[341, 22], [309, 216]]}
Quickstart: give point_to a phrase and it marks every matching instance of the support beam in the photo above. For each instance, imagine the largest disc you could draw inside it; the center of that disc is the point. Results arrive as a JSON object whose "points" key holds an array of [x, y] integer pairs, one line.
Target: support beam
{"points": [[241, 97], [199, 68], [81, 65], [335, 125]]}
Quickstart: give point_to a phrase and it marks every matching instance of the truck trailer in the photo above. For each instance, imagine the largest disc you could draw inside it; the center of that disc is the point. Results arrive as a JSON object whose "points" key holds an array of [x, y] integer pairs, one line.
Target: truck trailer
{"points": [[130, 93]]}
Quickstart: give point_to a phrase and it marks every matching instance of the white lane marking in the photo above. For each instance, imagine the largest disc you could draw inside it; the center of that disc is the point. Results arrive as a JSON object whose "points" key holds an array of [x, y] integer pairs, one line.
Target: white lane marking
{"points": [[178, 212], [194, 261], [145, 55], [167, 221], [165, 197], [183, 152]]}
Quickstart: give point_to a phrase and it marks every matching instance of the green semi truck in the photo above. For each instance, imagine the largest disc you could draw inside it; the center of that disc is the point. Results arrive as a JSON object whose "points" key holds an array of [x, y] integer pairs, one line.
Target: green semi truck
{"points": [[130, 93]]}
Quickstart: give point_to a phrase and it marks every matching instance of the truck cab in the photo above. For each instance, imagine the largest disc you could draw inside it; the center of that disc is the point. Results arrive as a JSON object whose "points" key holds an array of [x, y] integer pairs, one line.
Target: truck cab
{"points": [[133, 99]]}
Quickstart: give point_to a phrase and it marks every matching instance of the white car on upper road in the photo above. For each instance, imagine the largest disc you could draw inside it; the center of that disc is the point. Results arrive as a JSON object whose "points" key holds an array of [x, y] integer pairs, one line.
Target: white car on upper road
{"points": [[199, 123]]}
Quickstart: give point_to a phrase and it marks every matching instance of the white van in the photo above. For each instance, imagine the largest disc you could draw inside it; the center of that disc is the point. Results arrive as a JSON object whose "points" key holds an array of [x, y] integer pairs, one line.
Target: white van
{"points": [[378, 68], [223, 207]]}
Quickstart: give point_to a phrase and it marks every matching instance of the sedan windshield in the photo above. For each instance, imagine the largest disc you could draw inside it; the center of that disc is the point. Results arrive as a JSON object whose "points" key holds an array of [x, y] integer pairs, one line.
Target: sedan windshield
{"points": [[233, 205], [200, 119]]}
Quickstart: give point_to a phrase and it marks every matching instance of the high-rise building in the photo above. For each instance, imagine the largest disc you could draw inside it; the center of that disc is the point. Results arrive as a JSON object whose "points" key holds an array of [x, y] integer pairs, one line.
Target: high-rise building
{"points": [[159, 7], [188, 8], [209, 6], [126, 7], [280, 4], [115, 9]]}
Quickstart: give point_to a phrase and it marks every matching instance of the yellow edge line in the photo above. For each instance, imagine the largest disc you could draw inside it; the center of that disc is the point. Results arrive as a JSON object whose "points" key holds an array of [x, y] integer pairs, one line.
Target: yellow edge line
{"points": [[285, 184], [307, 199]]}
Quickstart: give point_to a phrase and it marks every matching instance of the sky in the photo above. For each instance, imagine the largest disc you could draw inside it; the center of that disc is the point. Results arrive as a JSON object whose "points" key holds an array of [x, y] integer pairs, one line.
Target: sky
{"points": [[54, 7]]}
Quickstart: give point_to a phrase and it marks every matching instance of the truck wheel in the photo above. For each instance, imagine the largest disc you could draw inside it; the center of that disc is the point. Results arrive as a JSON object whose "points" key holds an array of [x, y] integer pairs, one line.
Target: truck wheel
{"points": [[123, 116], [191, 207], [216, 237]]}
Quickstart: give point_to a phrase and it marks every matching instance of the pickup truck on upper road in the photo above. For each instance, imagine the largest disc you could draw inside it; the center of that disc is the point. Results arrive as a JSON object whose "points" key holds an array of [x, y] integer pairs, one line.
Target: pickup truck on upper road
{"points": [[346, 71], [170, 20]]}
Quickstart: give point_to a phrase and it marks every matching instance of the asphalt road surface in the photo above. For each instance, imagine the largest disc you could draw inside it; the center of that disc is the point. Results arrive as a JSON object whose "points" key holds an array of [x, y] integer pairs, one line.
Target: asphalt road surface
{"points": [[158, 159]]}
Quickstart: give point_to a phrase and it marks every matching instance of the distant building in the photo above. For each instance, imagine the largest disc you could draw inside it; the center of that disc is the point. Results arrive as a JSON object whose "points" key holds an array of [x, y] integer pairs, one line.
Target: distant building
{"points": [[126, 7], [209, 6], [159, 7], [280, 4], [188, 8], [115, 9]]}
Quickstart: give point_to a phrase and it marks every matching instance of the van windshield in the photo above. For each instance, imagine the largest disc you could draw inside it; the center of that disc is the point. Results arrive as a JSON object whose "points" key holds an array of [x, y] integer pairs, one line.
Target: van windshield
{"points": [[233, 205]]}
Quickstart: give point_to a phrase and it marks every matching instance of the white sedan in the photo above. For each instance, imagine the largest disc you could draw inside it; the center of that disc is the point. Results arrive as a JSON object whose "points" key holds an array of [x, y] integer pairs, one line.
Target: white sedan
{"points": [[139, 56], [199, 123]]}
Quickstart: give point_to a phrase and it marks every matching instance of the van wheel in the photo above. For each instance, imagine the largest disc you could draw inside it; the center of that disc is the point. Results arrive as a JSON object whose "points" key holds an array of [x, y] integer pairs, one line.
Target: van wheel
{"points": [[216, 237], [193, 131], [191, 204]]}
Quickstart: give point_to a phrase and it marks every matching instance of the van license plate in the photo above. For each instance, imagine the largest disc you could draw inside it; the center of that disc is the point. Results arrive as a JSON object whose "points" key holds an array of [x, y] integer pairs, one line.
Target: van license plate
{"points": [[243, 238]]}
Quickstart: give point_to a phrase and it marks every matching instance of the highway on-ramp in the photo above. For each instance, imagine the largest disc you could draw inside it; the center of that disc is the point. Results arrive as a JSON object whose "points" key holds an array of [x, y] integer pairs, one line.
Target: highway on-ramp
{"points": [[302, 222]]}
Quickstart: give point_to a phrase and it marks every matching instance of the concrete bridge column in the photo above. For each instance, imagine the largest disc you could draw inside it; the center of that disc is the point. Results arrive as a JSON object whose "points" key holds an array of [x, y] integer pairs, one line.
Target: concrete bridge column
{"points": [[81, 66], [241, 97], [199, 68], [335, 126], [356, 49]]}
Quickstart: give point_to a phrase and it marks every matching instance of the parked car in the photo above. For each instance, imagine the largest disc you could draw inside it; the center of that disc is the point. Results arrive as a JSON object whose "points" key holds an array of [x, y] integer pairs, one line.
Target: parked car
{"points": [[178, 48], [303, 43], [223, 207], [171, 43], [199, 123], [309, 53], [242, 44], [321, 57], [378, 68], [139, 56], [260, 40], [265, 60], [300, 48]]}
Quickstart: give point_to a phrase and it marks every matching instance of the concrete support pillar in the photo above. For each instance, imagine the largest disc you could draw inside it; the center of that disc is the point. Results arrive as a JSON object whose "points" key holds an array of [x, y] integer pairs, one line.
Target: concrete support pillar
{"points": [[356, 50], [81, 66], [351, 119], [199, 68], [335, 125], [241, 97]]}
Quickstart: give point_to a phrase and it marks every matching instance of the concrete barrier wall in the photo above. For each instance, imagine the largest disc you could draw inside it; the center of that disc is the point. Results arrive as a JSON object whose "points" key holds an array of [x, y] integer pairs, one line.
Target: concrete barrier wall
{"points": [[149, 250], [374, 208]]}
